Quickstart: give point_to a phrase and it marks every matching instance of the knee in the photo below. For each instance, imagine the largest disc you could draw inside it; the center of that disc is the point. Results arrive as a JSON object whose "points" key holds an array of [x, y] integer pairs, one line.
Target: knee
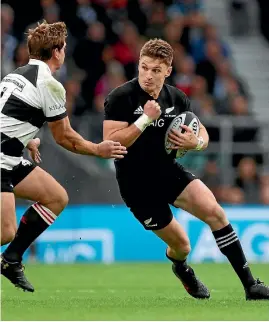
{"points": [[180, 249], [8, 233], [215, 216], [62, 199], [56, 202], [185, 249]]}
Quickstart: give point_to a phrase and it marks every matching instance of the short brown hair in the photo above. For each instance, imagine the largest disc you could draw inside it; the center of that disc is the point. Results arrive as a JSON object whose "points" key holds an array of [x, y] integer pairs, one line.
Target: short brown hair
{"points": [[158, 48], [44, 38]]}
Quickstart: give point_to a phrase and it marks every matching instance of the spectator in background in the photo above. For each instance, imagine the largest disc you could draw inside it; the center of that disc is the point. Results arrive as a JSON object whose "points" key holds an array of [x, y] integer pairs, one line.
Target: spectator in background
{"points": [[207, 107], [51, 10], [264, 195], [114, 77], [139, 12], [248, 179], [8, 41], [185, 7], [184, 74], [88, 56], [238, 104], [75, 104], [156, 22], [176, 32], [227, 86], [209, 32], [211, 176], [85, 12], [235, 196], [21, 56], [239, 107], [125, 50], [198, 93], [207, 67]]}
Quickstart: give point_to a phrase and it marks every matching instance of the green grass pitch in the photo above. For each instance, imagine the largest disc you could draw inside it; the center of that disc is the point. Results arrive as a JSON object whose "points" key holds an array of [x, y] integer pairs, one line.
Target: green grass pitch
{"points": [[124, 291]]}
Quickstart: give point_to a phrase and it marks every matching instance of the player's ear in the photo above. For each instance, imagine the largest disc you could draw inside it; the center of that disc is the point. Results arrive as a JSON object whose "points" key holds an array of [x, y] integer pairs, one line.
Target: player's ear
{"points": [[56, 53], [168, 72]]}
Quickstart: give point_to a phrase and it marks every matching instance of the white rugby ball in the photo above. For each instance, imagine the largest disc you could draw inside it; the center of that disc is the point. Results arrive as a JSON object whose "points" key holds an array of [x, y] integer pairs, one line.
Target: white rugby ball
{"points": [[186, 118]]}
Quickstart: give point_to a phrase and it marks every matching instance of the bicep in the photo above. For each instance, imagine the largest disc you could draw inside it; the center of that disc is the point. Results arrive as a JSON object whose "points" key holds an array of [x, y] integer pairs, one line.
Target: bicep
{"points": [[110, 127], [117, 108]]}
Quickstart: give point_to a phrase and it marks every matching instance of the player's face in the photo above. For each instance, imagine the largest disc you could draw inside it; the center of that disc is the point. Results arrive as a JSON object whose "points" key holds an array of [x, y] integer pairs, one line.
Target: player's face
{"points": [[152, 73]]}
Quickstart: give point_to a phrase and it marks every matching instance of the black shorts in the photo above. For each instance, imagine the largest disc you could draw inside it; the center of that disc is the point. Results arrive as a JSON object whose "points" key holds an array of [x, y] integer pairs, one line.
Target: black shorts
{"points": [[10, 178], [149, 198]]}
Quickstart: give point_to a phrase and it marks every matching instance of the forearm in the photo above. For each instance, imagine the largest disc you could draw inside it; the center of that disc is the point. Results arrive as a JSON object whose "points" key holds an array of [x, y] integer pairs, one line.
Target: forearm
{"points": [[126, 136], [73, 142], [204, 135], [130, 134]]}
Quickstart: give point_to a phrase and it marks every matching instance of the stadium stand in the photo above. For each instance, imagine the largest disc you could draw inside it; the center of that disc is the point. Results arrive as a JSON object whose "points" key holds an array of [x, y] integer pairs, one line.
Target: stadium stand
{"points": [[213, 65]]}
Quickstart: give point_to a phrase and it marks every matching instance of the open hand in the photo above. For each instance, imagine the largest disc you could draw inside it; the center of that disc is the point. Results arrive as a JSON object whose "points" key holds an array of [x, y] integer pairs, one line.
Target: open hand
{"points": [[110, 149], [187, 140], [32, 146]]}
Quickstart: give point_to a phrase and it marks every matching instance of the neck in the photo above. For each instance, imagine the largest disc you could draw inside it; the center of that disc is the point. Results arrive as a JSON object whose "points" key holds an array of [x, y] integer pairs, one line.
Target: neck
{"points": [[51, 66], [154, 93]]}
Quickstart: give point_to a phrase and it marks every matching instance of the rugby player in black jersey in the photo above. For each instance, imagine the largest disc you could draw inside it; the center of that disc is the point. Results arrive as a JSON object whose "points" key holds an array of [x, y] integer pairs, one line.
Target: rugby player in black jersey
{"points": [[137, 114]]}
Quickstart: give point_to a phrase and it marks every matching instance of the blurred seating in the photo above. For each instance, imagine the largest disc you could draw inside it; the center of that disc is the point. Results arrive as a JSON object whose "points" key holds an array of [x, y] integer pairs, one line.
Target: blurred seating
{"points": [[104, 41]]}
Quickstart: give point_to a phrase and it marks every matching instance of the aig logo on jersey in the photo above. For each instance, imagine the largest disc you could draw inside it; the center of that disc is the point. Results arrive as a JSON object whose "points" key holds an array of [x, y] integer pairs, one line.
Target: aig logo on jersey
{"points": [[157, 123]]}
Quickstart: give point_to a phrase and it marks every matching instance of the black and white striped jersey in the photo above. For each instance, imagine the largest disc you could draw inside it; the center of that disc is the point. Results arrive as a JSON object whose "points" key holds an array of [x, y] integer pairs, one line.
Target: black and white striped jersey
{"points": [[29, 97]]}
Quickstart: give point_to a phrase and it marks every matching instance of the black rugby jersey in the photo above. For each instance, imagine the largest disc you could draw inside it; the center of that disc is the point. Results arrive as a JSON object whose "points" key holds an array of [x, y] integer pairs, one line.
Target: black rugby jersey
{"points": [[147, 154]]}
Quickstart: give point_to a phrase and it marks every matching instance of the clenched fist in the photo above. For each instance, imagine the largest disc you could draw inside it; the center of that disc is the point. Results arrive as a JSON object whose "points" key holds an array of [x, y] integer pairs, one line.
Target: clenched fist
{"points": [[110, 149], [152, 109]]}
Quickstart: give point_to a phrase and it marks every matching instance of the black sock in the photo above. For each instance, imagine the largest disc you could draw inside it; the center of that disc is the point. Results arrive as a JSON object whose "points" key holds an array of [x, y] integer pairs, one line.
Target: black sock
{"points": [[230, 246], [181, 265], [36, 219]]}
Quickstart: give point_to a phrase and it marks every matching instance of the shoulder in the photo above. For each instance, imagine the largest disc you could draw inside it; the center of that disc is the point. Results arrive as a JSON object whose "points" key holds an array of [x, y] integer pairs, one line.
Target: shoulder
{"points": [[176, 93], [124, 91], [51, 85]]}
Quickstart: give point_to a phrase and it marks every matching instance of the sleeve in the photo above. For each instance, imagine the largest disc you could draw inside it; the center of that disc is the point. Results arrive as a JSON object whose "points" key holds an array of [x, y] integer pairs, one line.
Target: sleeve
{"points": [[117, 108], [52, 95]]}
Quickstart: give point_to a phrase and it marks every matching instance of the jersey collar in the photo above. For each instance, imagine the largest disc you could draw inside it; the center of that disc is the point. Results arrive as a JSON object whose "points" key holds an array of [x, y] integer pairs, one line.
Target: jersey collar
{"points": [[40, 63]]}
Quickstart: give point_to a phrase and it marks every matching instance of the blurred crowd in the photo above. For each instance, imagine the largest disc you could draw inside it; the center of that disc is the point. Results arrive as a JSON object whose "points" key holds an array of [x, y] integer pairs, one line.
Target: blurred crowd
{"points": [[104, 40]]}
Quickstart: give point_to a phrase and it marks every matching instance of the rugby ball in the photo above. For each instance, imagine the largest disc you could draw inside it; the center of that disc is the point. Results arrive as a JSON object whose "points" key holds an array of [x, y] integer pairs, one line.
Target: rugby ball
{"points": [[186, 118]]}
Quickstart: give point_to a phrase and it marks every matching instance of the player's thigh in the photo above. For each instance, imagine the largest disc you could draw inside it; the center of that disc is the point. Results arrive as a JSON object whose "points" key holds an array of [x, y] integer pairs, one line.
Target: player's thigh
{"points": [[199, 201], [38, 185], [153, 216], [8, 217], [174, 236]]}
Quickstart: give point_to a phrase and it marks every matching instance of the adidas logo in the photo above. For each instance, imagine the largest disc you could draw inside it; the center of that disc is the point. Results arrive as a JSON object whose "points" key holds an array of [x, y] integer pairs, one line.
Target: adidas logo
{"points": [[139, 110]]}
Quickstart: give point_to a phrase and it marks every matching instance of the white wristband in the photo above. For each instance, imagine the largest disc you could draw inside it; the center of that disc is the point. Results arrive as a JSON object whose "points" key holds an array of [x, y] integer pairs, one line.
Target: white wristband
{"points": [[200, 143], [142, 122]]}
